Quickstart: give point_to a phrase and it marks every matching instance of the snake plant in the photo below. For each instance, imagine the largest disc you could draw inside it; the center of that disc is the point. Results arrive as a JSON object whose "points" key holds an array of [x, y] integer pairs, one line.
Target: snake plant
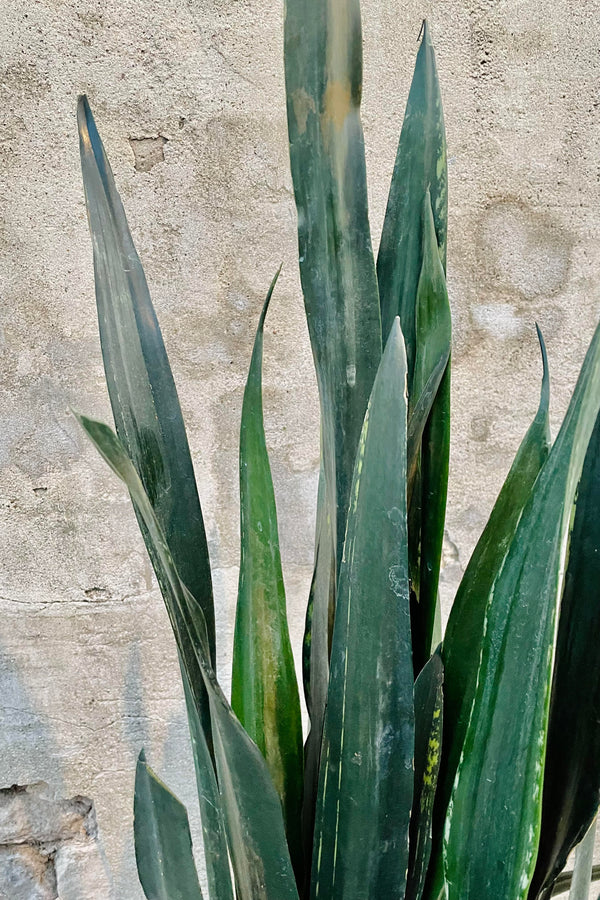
{"points": [[463, 768]]}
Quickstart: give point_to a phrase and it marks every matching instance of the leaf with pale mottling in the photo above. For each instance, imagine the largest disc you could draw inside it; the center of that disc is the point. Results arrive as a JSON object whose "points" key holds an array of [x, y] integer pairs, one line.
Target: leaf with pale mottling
{"points": [[498, 784], [366, 779]]}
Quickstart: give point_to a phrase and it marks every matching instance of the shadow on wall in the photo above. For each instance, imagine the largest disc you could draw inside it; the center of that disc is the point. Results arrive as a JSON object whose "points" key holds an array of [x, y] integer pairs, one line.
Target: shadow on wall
{"points": [[49, 846], [172, 760]]}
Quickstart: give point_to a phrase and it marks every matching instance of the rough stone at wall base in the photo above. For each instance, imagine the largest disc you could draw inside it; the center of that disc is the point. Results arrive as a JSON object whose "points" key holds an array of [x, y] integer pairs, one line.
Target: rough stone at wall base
{"points": [[49, 848]]}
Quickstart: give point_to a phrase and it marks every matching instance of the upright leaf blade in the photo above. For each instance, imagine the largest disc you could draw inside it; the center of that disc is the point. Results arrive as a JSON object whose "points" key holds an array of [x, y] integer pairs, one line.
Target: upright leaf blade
{"points": [[323, 69], [264, 691], [163, 843], [251, 806], [572, 775], [140, 384], [428, 752], [433, 328], [420, 166], [366, 782], [461, 648], [498, 785], [408, 276], [433, 323], [323, 72], [315, 659]]}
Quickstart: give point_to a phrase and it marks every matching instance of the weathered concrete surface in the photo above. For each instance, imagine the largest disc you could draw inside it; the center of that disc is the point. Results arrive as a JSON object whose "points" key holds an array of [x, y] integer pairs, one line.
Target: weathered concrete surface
{"points": [[49, 847], [189, 99]]}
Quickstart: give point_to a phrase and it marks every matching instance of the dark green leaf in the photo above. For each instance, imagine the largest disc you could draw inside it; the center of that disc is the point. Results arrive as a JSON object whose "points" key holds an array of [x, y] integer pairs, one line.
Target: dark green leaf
{"points": [[366, 782], [435, 458], [428, 742], [323, 70], [149, 423], [410, 269], [315, 660], [323, 67], [140, 384], [264, 691], [498, 784], [572, 774], [420, 166], [433, 326], [251, 806], [464, 632], [163, 844]]}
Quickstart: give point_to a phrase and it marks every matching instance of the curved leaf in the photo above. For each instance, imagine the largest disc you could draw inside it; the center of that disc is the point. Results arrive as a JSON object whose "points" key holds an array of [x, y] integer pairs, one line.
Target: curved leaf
{"points": [[149, 422], [163, 843], [461, 647], [140, 384], [264, 691], [572, 774], [250, 804], [498, 784], [366, 781]]}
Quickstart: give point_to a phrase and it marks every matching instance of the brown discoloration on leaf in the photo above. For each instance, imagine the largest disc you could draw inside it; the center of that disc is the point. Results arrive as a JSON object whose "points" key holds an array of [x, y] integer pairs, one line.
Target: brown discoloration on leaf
{"points": [[303, 104], [337, 102]]}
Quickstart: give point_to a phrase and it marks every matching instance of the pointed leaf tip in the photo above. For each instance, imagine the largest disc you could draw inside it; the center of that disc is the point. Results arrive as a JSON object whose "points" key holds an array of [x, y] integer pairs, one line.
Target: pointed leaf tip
{"points": [[395, 346], [86, 126], [267, 302], [545, 391]]}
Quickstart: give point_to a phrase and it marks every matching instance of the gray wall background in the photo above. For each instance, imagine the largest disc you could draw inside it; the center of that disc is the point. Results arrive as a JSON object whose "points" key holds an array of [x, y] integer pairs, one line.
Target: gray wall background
{"points": [[189, 99]]}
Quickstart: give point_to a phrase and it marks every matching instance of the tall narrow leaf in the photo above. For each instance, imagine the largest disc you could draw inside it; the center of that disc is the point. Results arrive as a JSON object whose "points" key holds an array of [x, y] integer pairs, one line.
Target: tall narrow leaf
{"points": [[411, 272], [251, 806], [498, 785], [431, 378], [323, 68], [461, 648], [264, 692], [163, 844], [572, 774], [366, 782], [420, 166], [323, 72], [149, 422], [140, 384]]}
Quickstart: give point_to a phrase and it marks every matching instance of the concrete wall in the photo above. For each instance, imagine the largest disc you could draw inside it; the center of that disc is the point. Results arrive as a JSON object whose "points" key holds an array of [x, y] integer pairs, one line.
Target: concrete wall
{"points": [[189, 99]]}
